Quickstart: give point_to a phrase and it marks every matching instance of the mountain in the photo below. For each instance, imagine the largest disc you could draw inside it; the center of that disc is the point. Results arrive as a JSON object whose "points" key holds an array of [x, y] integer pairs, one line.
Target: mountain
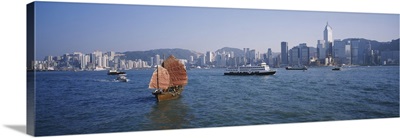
{"points": [[145, 55], [237, 52]]}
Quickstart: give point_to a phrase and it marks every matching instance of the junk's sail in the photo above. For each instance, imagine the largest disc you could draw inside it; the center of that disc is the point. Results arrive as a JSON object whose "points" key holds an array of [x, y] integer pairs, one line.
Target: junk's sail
{"points": [[176, 70], [163, 79]]}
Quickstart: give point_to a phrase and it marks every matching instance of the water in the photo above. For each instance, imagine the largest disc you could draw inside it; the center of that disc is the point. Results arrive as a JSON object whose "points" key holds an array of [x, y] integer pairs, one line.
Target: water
{"points": [[93, 102]]}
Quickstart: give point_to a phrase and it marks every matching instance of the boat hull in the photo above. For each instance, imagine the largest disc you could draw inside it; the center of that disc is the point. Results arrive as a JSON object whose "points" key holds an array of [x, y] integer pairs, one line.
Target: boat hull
{"points": [[250, 73], [115, 73], [165, 96]]}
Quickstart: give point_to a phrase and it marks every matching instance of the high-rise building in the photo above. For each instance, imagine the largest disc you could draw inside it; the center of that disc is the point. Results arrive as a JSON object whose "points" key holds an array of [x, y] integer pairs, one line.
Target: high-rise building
{"points": [[328, 38], [152, 61], [354, 51], [252, 56], [209, 57], [202, 60], [304, 54], [321, 50], [284, 53], [191, 59], [269, 57], [246, 55], [104, 61], [111, 55], [295, 55], [157, 60]]}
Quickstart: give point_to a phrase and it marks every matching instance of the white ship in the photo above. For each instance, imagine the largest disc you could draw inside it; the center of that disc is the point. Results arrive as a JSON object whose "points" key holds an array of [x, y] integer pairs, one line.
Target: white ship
{"points": [[250, 70]]}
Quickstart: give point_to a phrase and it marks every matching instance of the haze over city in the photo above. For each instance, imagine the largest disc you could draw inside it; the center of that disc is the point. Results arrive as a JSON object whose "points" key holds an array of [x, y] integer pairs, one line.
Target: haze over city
{"points": [[64, 28]]}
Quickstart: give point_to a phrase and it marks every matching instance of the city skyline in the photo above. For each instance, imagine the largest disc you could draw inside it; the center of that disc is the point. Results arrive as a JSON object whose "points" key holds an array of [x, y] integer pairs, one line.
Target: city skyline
{"points": [[123, 28]]}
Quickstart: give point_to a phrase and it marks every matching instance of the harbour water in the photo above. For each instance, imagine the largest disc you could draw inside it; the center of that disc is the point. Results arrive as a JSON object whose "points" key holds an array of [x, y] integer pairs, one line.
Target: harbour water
{"points": [[93, 102]]}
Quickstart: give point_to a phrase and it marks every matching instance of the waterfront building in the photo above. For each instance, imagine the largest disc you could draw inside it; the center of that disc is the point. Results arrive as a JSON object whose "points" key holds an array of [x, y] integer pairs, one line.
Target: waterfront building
{"points": [[354, 51], [152, 61], [252, 56], [202, 60], [209, 57], [284, 53], [328, 38], [104, 61], [294, 55], [304, 54], [111, 55], [269, 57], [157, 60], [321, 50]]}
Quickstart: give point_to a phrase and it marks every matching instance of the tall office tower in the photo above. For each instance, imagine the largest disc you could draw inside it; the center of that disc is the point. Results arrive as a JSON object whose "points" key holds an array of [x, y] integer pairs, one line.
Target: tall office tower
{"points": [[209, 57], [284, 53], [321, 49], [111, 55], [105, 61], [295, 55], [304, 54], [252, 56], [269, 57], [354, 44], [202, 60], [157, 60], [191, 59], [328, 38], [246, 55], [151, 61]]}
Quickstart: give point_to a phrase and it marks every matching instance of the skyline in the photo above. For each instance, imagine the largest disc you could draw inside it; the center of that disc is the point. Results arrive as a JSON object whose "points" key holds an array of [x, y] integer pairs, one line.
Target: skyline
{"points": [[62, 27]]}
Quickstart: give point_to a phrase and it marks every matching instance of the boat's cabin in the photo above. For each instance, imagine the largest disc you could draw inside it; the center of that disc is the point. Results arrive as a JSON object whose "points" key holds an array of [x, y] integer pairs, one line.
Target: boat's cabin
{"points": [[266, 67]]}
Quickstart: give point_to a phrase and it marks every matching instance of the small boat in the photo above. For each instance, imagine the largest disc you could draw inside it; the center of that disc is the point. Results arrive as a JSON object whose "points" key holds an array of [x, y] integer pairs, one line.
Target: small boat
{"points": [[122, 78], [114, 72], [336, 68], [168, 80], [250, 70], [296, 68]]}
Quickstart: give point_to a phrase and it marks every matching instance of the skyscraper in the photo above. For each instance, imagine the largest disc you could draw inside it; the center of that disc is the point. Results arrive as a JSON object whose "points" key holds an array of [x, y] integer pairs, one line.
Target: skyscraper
{"points": [[321, 50], [304, 56], [269, 57], [284, 52], [209, 57], [157, 60], [328, 38]]}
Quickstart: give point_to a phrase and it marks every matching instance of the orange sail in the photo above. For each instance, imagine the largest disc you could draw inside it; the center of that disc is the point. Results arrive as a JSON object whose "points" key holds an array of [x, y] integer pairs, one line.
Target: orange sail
{"points": [[176, 70], [163, 79]]}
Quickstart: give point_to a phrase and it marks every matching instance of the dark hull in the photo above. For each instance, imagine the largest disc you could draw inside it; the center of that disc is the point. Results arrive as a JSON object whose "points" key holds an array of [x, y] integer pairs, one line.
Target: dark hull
{"points": [[337, 69], [115, 73], [165, 96], [252, 73], [296, 69]]}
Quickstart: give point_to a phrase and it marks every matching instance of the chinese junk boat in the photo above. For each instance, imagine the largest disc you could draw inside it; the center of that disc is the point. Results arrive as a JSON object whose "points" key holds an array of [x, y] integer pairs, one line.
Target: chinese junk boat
{"points": [[168, 79]]}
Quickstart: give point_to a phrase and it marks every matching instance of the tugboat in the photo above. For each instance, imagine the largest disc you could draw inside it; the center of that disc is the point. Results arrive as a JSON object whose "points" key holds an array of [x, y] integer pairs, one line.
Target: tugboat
{"points": [[250, 70]]}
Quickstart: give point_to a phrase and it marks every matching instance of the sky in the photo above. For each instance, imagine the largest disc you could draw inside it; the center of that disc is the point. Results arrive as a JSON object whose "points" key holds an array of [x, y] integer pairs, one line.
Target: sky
{"points": [[77, 27]]}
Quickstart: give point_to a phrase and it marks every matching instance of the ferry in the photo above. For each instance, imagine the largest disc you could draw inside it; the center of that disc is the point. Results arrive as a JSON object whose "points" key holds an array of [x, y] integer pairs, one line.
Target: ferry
{"points": [[250, 70]]}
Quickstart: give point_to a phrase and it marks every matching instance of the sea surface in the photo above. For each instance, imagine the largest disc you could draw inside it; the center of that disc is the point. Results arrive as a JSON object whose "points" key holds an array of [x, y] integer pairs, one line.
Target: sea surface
{"points": [[93, 102]]}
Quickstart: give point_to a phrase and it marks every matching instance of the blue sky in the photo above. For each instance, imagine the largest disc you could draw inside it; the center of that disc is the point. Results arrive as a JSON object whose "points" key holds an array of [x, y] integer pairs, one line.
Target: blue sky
{"points": [[75, 27]]}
